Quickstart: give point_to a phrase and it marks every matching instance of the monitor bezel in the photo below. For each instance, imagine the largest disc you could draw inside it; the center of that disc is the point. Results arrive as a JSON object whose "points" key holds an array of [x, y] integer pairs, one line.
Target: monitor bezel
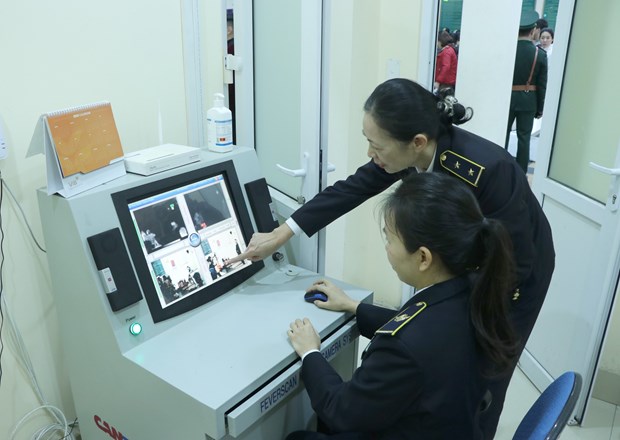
{"points": [[122, 199]]}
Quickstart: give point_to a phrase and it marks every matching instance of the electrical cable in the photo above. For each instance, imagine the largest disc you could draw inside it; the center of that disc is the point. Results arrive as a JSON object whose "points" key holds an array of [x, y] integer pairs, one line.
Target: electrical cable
{"points": [[23, 215], [24, 360], [73, 425], [23, 357], [45, 432]]}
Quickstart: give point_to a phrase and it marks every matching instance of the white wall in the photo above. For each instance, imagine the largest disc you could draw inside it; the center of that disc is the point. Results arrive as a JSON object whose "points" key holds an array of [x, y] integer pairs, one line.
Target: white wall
{"points": [[486, 63], [55, 55], [364, 35]]}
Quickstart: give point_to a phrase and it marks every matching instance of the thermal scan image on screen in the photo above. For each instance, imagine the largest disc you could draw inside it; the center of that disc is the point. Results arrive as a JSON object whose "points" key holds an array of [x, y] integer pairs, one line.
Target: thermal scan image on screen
{"points": [[187, 235]]}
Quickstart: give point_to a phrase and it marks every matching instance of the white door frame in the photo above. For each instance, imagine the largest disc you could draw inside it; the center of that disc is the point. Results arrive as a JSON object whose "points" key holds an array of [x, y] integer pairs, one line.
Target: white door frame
{"points": [[303, 251], [602, 271], [244, 76], [428, 43], [204, 30]]}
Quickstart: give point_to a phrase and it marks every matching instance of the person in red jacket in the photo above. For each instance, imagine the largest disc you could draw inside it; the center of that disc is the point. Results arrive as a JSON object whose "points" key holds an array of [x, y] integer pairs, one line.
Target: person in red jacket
{"points": [[447, 61]]}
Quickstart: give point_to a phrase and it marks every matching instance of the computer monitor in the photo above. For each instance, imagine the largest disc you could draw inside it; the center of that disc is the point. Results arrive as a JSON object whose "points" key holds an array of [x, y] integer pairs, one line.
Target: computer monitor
{"points": [[181, 231]]}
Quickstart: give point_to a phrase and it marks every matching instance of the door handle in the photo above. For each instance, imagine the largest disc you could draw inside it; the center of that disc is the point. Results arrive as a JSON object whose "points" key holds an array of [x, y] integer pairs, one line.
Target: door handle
{"points": [[300, 172], [605, 170], [612, 201]]}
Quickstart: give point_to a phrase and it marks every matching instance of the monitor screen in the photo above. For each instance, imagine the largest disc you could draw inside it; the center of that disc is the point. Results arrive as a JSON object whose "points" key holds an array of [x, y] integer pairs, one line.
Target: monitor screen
{"points": [[181, 231]]}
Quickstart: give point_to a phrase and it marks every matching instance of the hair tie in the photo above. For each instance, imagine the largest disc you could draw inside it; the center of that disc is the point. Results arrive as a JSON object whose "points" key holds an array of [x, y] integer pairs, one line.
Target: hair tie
{"points": [[446, 105]]}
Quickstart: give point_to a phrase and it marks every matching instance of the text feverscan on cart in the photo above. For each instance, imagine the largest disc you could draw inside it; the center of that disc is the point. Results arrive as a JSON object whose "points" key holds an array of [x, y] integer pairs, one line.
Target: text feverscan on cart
{"points": [[279, 393]]}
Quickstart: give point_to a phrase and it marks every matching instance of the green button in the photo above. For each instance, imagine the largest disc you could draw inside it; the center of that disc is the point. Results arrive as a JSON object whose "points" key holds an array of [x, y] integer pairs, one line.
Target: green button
{"points": [[135, 328]]}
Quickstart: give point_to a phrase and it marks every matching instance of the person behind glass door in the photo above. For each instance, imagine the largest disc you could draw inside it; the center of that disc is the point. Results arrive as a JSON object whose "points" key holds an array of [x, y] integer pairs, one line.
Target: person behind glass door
{"points": [[446, 63], [546, 41], [540, 24], [424, 374], [529, 86], [456, 40], [410, 130]]}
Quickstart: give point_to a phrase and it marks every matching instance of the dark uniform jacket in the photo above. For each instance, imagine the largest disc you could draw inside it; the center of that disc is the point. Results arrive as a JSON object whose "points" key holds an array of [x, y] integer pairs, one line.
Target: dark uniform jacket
{"points": [[420, 377], [503, 193], [533, 101]]}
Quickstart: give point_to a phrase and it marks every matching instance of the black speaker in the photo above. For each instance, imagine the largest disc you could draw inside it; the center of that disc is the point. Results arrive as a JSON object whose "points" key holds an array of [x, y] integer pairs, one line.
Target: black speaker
{"points": [[115, 270], [260, 202]]}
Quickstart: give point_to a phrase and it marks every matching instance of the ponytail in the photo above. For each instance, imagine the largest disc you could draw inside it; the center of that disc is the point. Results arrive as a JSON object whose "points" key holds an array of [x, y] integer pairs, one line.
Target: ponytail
{"points": [[442, 213], [490, 295]]}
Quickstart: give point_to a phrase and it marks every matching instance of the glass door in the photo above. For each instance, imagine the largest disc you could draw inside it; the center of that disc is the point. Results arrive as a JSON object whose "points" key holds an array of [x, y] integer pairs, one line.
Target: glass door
{"points": [[576, 178], [287, 99]]}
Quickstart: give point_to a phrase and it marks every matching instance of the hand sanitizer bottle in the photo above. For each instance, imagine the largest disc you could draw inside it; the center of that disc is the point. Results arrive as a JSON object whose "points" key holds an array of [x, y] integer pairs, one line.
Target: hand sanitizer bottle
{"points": [[219, 126]]}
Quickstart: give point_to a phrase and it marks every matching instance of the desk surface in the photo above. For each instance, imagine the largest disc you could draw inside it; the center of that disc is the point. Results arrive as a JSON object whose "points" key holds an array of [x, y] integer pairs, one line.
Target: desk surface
{"points": [[239, 341]]}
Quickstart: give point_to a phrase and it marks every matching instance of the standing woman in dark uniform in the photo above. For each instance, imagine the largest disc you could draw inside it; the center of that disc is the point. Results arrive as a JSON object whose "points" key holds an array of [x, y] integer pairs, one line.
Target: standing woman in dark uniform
{"points": [[411, 130]]}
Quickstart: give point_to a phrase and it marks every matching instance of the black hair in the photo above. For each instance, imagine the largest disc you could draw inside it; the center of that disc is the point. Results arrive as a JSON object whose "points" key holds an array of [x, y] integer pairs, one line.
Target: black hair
{"points": [[542, 23], [550, 31], [456, 36], [439, 212], [404, 109]]}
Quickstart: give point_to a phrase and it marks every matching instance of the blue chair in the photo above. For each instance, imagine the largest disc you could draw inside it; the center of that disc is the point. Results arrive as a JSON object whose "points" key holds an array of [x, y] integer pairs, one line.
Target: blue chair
{"points": [[547, 417]]}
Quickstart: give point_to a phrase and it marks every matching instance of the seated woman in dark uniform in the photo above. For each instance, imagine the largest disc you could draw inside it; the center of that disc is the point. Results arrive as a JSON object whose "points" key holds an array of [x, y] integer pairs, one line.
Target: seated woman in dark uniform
{"points": [[410, 130], [426, 369]]}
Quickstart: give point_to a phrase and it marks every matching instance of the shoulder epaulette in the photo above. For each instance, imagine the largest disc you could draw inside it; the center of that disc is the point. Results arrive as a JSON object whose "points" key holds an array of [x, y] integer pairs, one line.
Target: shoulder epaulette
{"points": [[402, 319], [460, 166]]}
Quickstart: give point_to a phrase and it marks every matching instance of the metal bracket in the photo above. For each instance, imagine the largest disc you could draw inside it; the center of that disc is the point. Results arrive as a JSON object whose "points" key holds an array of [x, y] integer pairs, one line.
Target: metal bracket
{"points": [[232, 62]]}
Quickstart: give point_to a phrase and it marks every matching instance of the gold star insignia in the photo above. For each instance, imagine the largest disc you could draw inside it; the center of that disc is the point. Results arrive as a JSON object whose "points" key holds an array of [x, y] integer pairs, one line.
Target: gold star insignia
{"points": [[462, 167], [515, 296], [401, 317]]}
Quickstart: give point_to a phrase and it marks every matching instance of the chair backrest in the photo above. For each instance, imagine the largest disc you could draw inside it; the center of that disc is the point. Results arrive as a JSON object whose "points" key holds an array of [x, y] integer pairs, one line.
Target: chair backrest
{"points": [[552, 410]]}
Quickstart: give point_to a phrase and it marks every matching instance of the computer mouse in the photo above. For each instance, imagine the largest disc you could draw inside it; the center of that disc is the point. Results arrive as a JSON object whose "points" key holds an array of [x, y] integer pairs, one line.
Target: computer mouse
{"points": [[313, 295]]}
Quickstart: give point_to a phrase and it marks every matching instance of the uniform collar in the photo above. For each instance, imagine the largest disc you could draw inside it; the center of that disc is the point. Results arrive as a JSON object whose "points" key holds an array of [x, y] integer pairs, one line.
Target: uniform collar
{"points": [[443, 143], [441, 291], [430, 167]]}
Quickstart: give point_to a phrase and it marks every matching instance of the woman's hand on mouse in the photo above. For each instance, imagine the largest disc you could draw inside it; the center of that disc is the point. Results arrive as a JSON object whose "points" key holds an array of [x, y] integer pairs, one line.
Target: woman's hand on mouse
{"points": [[303, 336], [337, 300]]}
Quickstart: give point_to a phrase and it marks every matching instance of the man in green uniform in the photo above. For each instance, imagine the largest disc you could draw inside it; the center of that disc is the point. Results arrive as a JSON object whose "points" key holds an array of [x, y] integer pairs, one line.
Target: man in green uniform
{"points": [[529, 85]]}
